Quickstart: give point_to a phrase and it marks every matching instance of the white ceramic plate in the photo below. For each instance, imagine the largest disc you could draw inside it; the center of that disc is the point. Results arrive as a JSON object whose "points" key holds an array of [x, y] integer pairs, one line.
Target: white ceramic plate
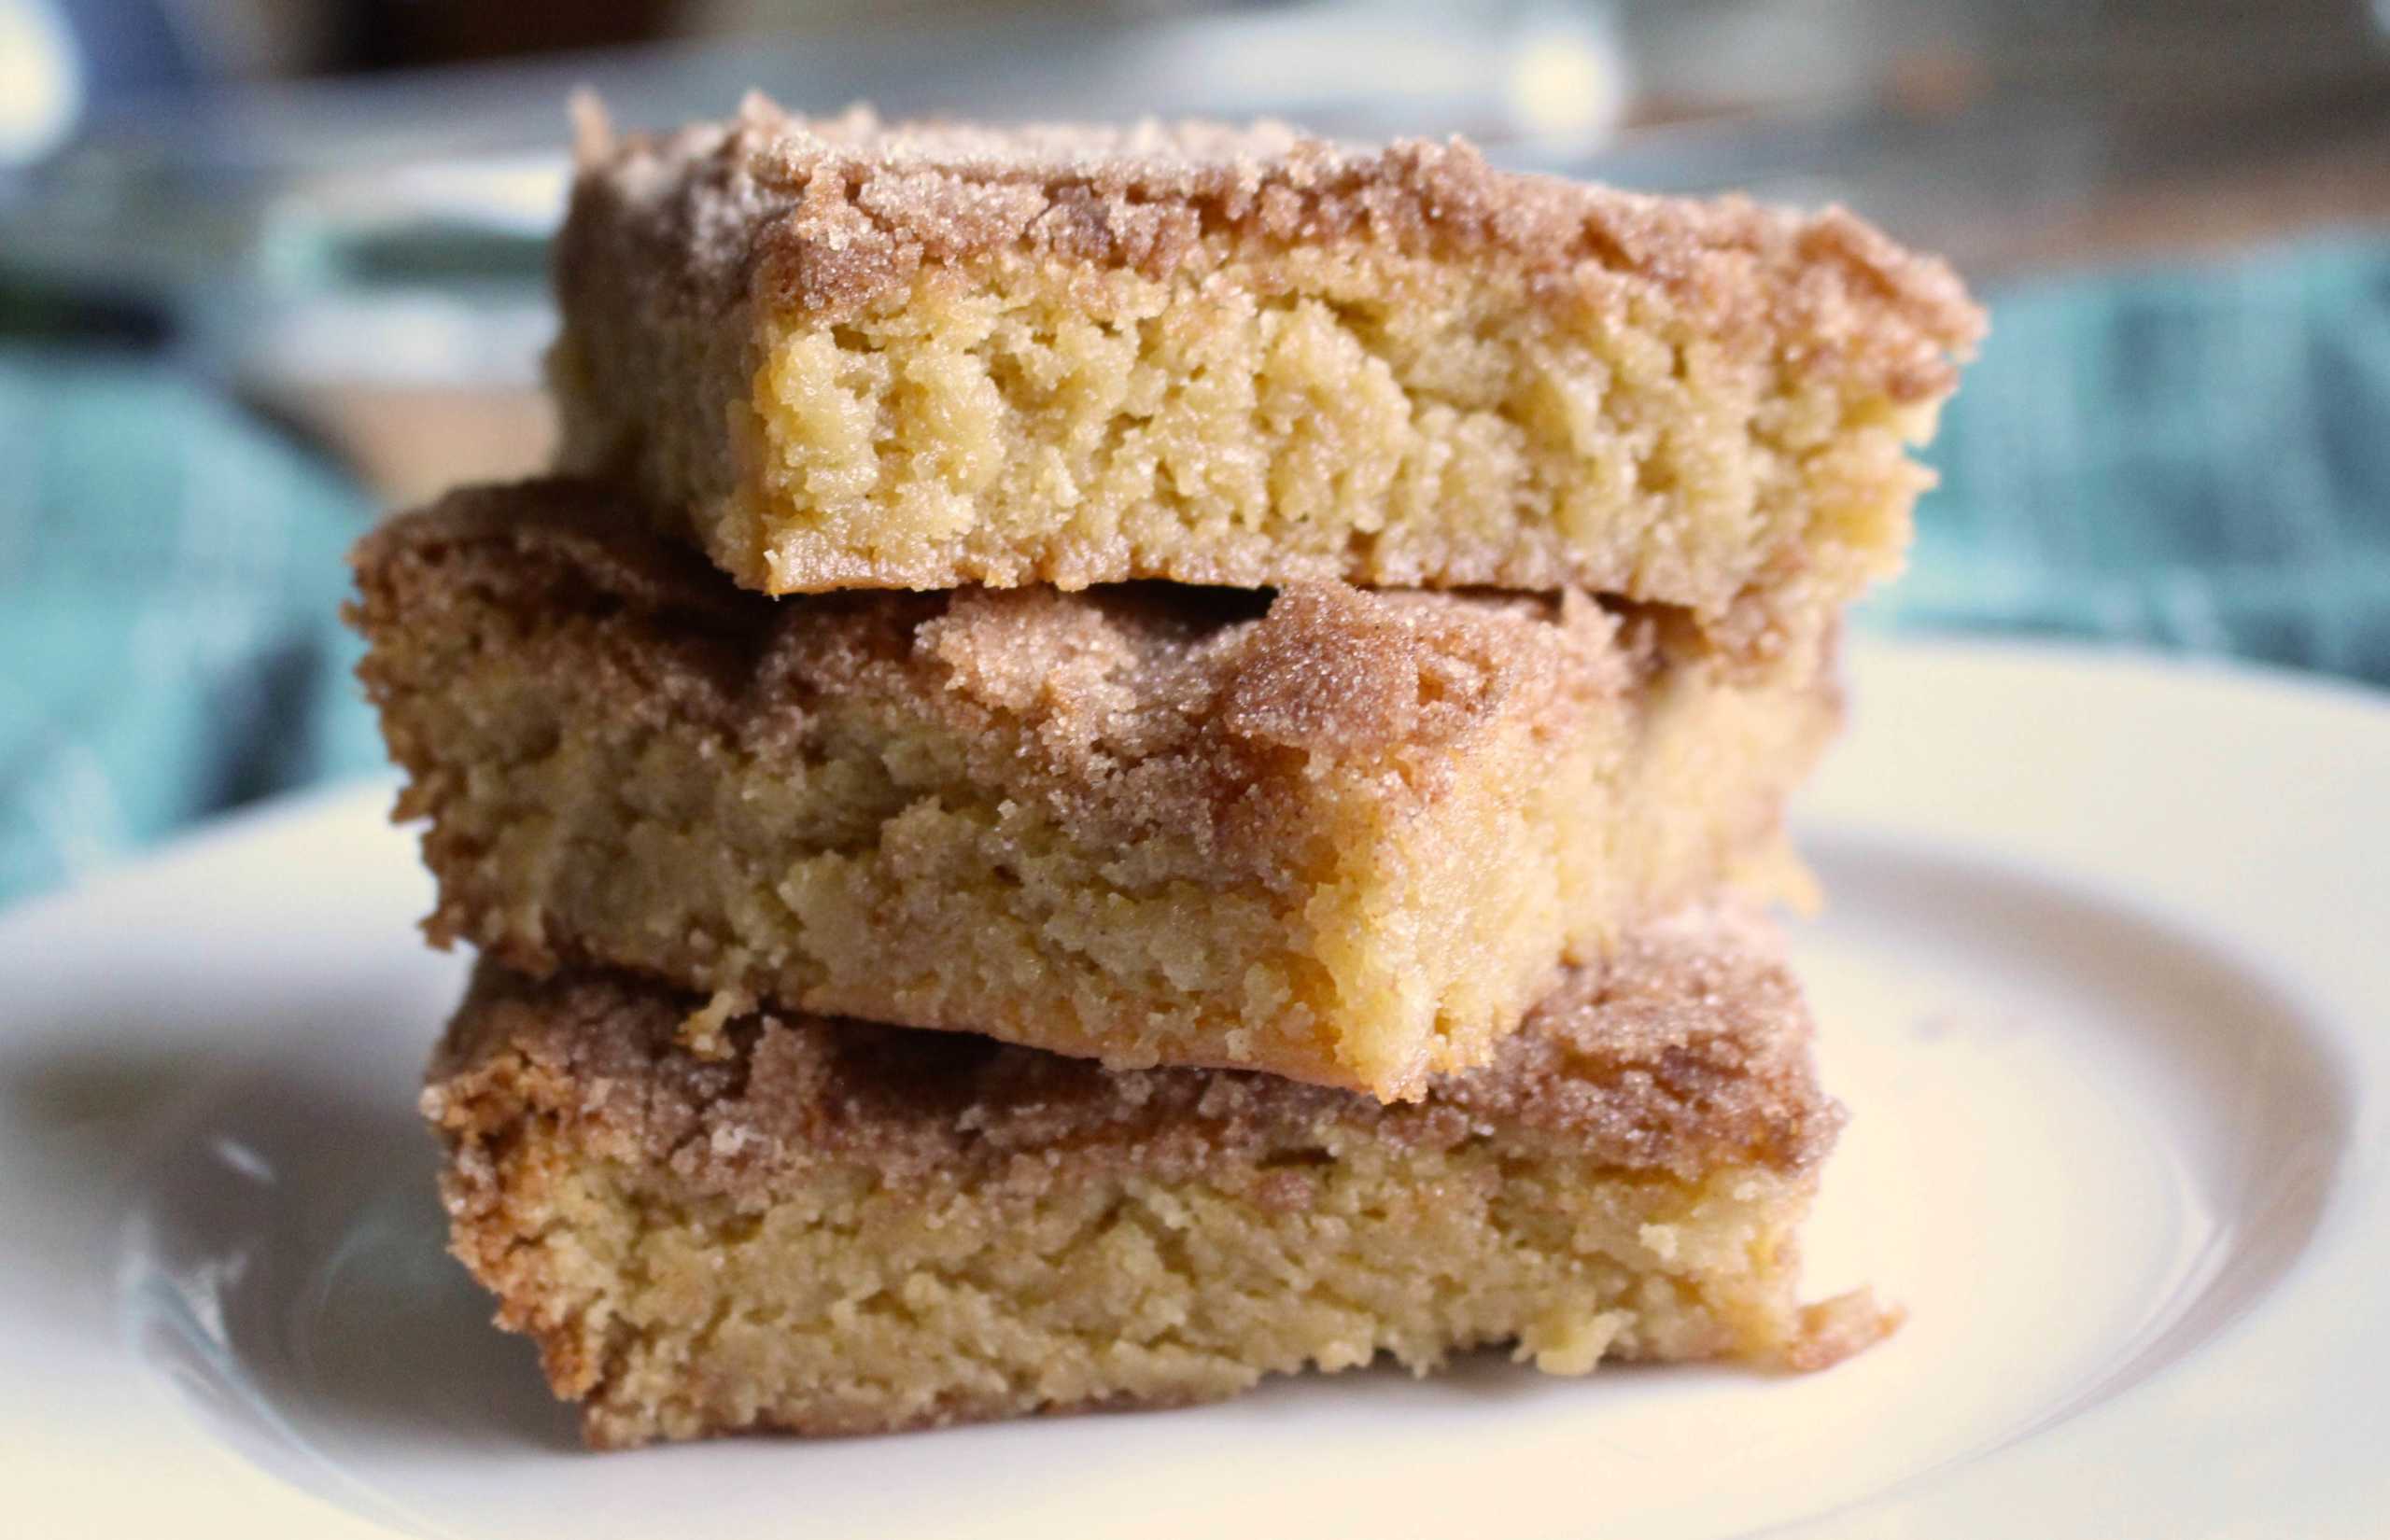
{"points": [[2103, 980]]}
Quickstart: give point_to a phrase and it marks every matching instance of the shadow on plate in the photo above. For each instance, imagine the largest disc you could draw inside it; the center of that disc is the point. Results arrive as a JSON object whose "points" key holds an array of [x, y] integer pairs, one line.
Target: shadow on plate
{"points": [[285, 1266]]}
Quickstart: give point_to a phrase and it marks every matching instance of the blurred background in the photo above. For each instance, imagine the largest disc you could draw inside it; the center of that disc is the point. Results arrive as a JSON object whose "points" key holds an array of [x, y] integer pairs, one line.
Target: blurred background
{"points": [[269, 266]]}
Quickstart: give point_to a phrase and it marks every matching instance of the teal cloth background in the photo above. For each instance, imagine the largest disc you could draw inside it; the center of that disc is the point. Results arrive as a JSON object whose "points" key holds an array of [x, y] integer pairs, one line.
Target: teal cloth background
{"points": [[2196, 458], [169, 572]]}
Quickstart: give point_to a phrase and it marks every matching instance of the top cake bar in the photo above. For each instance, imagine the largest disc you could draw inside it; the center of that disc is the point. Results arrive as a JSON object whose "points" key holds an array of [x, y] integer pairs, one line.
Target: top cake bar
{"points": [[843, 353]]}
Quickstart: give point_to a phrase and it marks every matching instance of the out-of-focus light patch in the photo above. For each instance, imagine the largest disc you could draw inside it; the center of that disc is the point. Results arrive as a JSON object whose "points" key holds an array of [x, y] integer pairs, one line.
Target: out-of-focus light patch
{"points": [[515, 195], [41, 82], [422, 338], [1272, 59], [1568, 81]]}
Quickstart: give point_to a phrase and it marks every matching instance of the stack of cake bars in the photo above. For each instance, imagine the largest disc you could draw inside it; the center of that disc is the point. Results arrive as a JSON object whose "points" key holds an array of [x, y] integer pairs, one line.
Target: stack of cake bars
{"points": [[1120, 761]]}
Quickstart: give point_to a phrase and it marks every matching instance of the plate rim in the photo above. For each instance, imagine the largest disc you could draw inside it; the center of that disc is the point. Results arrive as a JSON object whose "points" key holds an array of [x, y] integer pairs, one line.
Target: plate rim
{"points": [[2352, 1233]]}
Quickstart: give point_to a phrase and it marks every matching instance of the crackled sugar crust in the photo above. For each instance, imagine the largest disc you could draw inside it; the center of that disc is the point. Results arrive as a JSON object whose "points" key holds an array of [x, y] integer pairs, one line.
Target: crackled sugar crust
{"points": [[843, 353], [834, 1228], [1344, 837]]}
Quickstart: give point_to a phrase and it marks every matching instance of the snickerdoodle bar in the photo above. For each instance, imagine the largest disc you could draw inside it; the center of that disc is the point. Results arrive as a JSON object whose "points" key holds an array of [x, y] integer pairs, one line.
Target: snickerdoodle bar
{"points": [[1344, 835], [843, 353], [834, 1228]]}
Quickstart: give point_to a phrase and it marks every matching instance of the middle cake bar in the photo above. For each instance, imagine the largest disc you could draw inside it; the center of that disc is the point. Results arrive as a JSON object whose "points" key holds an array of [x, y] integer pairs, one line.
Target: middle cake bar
{"points": [[1344, 836]]}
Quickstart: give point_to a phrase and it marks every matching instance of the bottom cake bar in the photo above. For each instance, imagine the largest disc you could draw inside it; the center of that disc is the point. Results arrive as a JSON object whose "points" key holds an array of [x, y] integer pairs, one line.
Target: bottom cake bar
{"points": [[832, 1227]]}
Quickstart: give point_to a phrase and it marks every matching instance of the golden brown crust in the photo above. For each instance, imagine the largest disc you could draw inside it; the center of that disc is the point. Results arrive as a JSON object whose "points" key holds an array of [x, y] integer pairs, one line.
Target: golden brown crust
{"points": [[1687, 1051], [830, 214]]}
